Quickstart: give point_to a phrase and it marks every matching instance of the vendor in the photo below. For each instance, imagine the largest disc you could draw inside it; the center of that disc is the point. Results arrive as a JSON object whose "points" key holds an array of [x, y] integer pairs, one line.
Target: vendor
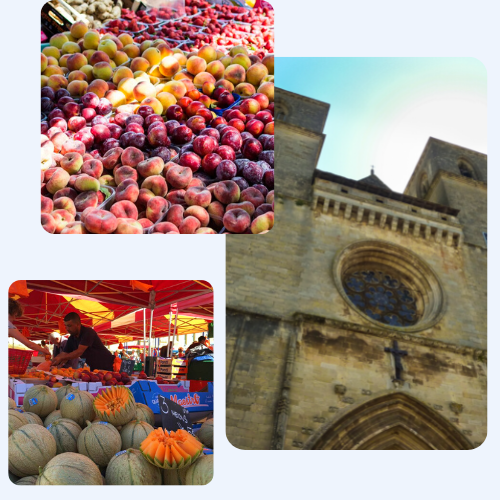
{"points": [[201, 341], [85, 343], [59, 344], [16, 311]]}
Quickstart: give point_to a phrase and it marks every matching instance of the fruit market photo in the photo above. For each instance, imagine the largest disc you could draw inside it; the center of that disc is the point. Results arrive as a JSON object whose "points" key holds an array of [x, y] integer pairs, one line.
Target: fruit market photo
{"points": [[111, 382], [158, 120]]}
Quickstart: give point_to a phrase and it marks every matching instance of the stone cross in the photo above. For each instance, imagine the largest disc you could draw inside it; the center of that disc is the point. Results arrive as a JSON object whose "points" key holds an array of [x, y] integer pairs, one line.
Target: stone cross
{"points": [[394, 350]]}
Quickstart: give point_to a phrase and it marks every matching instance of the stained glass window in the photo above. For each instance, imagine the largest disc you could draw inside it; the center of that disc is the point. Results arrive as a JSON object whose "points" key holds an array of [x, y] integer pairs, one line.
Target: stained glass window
{"points": [[382, 297]]}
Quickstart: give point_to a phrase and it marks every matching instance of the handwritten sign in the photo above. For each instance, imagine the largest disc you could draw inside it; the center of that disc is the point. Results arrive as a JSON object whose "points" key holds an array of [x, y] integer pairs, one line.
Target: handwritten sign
{"points": [[174, 416], [127, 366]]}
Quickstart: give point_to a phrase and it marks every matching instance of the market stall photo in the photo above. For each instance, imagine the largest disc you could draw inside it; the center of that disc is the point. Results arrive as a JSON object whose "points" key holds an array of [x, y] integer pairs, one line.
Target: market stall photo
{"points": [[157, 118], [111, 382]]}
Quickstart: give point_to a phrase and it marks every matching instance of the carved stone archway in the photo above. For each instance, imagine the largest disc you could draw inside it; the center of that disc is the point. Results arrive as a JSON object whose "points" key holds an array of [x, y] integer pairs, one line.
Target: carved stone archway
{"points": [[392, 421]]}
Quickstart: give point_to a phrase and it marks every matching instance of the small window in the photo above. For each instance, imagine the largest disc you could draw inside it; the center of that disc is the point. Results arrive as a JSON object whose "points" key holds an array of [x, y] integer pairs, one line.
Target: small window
{"points": [[342, 190], [413, 210], [465, 169], [379, 201]]}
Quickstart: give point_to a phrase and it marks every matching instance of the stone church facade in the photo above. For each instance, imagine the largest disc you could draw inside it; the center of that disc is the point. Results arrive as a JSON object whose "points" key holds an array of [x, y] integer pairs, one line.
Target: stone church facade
{"points": [[359, 321]]}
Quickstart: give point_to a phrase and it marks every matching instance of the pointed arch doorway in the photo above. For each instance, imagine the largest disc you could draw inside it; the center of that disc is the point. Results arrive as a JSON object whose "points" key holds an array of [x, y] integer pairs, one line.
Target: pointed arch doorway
{"points": [[393, 421]]}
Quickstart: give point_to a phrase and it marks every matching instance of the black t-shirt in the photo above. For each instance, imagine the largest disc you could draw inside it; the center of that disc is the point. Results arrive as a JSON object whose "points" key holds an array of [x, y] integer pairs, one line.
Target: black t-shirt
{"points": [[96, 354]]}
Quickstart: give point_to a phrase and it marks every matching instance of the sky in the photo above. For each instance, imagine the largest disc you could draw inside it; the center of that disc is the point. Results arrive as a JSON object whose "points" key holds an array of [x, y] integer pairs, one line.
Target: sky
{"points": [[383, 110]]}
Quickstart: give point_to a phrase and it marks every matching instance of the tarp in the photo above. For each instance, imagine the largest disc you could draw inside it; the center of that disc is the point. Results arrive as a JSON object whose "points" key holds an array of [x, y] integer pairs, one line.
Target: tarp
{"points": [[141, 294]]}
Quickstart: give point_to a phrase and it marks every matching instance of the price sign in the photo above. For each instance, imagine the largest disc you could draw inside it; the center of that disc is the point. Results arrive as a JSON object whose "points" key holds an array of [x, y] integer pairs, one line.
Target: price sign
{"points": [[127, 366], [174, 416]]}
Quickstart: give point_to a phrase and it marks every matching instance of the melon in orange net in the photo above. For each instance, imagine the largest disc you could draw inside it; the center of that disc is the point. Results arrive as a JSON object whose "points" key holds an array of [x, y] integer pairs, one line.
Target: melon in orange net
{"points": [[174, 450], [115, 405]]}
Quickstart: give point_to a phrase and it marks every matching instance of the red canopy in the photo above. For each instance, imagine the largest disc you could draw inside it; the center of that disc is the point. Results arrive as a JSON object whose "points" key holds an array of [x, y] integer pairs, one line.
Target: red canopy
{"points": [[141, 294]]}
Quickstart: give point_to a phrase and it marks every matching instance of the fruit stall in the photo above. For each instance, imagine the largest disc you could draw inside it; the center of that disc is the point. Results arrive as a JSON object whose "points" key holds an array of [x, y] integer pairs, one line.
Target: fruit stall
{"points": [[159, 121], [83, 426]]}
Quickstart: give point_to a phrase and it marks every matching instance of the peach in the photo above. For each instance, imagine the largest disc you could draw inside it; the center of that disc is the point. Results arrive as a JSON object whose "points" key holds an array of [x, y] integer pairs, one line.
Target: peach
{"points": [[111, 158], [126, 87], [77, 75], [236, 220], [127, 190], [200, 213], [156, 184], [124, 209], [153, 55], [99, 56], [151, 166], [216, 212], [145, 223], [181, 58], [71, 162], [91, 40], [100, 222], [176, 197], [177, 88], [156, 208], [94, 168], [53, 70], [208, 53], [44, 80], [244, 89], [58, 140], [78, 29], [56, 82], [52, 51], [268, 62], [63, 61], [102, 71], [58, 180], [196, 65], [87, 69], [235, 73], [198, 195], [72, 146], [128, 226], [132, 156], [256, 73], [125, 172], [145, 45], [226, 61], [226, 84], [47, 205], [242, 60], [154, 103], [121, 73], [67, 191], [244, 205], [166, 228], [62, 217], [116, 98], [44, 62], [238, 49], [65, 203], [143, 90], [175, 215], [74, 228], [179, 176], [108, 46], [120, 58], [133, 51], [267, 89], [126, 39], [48, 223], [86, 199], [139, 64], [107, 180], [203, 77], [252, 195], [58, 40], [166, 99], [183, 75], [70, 48], [77, 87], [205, 230], [144, 196], [86, 182], [98, 87], [262, 223], [227, 192], [189, 225], [168, 66], [216, 68], [76, 61]]}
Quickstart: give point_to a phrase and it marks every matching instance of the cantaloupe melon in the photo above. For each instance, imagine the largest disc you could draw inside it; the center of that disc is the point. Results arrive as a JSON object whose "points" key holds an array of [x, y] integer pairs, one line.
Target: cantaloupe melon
{"points": [[16, 420], [100, 442], [30, 447], [40, 399], [51, 417], [33, 418], [134, 433], [70, 468], [12, 404], [171, 451], [62, 392], [130, 467], [115, 405], [206, 433], [175, 477], [145, 414], [66, 433], [201, 472], [13, 477], [27, 481], [79, 407]]}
